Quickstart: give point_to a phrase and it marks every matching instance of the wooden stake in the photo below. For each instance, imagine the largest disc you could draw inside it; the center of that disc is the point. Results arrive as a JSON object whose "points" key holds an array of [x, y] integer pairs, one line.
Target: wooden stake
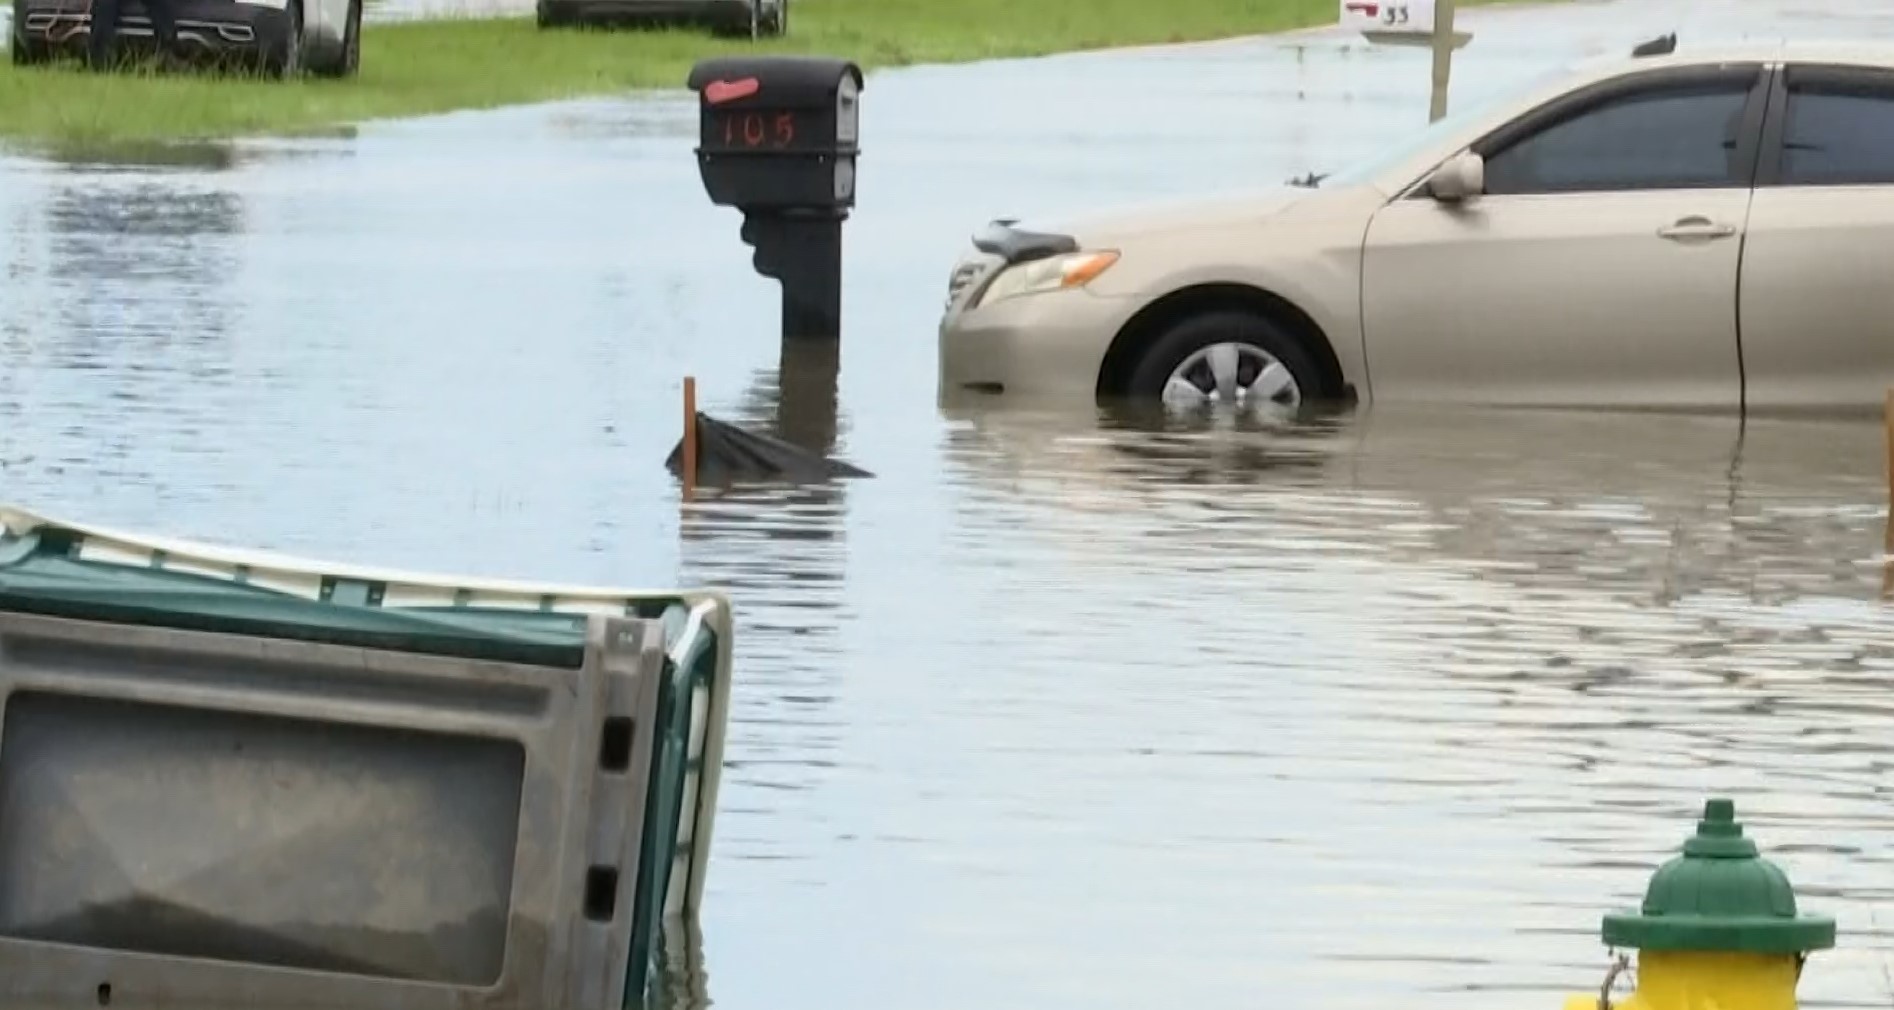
{"points": [[1887, 418], [1887, 542], [1443, 59], [690, 437]]}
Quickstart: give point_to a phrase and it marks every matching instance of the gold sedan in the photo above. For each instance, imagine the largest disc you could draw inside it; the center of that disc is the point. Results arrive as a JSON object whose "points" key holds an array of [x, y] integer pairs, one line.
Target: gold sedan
{"points": [[1702, 231]]}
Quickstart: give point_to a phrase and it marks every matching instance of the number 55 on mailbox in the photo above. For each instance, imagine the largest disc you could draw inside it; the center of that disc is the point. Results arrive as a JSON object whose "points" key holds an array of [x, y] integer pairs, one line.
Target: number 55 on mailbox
{"points": [[779, 132]]}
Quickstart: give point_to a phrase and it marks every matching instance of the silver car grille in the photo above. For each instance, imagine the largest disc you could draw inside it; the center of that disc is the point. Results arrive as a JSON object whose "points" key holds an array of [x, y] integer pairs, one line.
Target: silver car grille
{"points": [[968, 274], [963, 278]]}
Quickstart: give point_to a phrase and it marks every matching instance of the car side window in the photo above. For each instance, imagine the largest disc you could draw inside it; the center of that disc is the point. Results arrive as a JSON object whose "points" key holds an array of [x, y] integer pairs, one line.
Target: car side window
{"points": [[1676, 135], [1838, 129]]}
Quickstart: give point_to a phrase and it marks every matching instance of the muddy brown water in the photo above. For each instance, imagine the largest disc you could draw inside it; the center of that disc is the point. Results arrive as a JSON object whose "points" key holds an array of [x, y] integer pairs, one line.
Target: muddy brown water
{"points": [[1054, 711]]}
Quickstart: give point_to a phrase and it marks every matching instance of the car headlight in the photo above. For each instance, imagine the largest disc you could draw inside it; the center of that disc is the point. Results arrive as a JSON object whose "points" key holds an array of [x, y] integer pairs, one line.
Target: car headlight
{"points": [[1054, 273]]}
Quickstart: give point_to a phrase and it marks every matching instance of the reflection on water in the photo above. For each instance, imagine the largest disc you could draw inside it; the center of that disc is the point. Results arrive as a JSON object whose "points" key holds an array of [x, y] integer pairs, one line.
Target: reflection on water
{"points": [[1391, 707], [1430, 698], [1056, 711], [146, 155], [681, 982], [782, 545], [118, 305]]}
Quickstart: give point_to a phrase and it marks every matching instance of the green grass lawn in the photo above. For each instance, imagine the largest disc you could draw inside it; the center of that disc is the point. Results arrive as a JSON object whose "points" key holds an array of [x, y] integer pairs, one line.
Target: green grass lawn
{"points": [[415, 68]]}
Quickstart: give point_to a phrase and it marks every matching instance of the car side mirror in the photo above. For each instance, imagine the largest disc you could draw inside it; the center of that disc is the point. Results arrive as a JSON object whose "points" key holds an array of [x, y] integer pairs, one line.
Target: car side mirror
{"points": [[1462, 177]]}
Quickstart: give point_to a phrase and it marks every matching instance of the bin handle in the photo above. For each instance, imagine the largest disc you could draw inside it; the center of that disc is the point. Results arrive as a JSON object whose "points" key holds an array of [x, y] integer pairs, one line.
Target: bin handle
{"points": [[1618, 967]]}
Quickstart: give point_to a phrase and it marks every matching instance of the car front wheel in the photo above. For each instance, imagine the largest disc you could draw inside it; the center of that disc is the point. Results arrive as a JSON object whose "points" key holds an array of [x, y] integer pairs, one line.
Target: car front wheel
{"points": [[1227, 357], [285, 58], [348, 60]]}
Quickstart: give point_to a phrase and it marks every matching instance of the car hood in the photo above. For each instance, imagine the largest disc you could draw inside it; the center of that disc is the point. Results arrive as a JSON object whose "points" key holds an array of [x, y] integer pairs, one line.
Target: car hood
{"points": [[1113, 226]]}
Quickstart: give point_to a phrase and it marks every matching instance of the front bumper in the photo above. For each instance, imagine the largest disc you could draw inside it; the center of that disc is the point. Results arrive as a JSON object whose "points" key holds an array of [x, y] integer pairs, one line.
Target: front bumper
{"points": [[1040, 348], [1044, 348], [212, 27]]}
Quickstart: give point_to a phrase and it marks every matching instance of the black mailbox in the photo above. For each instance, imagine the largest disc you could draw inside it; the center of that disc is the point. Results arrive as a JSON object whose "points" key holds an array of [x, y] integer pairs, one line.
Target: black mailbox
{"points": [[778, 131], [778, 139]]}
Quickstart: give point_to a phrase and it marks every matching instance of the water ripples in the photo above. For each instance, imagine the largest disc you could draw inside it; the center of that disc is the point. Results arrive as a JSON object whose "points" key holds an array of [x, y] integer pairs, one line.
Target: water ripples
{"points": [[1054, 711]]}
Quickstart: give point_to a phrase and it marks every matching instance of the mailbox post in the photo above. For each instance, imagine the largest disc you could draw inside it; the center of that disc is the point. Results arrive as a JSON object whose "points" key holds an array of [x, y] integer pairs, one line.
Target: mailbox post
{"points": [[1427, 23], [778, 141]]}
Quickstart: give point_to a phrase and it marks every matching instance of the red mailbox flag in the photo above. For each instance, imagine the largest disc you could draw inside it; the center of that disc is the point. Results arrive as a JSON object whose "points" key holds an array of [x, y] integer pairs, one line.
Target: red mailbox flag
{"points": [[719, 92]]}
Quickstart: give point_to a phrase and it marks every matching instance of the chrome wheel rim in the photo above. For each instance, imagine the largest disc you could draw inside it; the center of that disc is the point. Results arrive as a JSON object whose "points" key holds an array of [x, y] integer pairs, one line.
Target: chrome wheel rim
{"points": [[1237, 374]]}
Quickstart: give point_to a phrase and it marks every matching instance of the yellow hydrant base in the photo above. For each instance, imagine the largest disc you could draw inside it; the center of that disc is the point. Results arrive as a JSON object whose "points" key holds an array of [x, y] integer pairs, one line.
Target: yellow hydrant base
{"points": [[1706, 980]]}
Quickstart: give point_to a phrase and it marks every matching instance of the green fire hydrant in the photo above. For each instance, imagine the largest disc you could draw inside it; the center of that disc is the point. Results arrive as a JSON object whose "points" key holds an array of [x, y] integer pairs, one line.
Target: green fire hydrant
{"points": [[1718, 930]]}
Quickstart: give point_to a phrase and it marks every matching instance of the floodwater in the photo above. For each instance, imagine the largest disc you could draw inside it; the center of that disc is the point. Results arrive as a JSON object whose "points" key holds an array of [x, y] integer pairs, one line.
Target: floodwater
{"points": [[1053, 712]]}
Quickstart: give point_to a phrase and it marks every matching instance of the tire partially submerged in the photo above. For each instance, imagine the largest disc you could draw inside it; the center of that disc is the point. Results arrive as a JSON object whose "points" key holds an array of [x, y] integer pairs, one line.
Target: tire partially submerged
{"points": [[1230, 357]]}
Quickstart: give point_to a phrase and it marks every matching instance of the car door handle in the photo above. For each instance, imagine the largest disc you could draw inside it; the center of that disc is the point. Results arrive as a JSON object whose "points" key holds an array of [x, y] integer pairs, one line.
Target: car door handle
{"points": [[1695, 227]]}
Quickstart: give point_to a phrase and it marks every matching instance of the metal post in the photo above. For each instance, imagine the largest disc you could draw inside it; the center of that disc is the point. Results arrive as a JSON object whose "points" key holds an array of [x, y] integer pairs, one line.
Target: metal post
{"points": [[802, 249], [1443, 58], [812, 287]]}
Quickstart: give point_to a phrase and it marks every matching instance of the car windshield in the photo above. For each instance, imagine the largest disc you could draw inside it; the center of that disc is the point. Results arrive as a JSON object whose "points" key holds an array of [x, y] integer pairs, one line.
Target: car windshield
{"points": [[1418, 141]]}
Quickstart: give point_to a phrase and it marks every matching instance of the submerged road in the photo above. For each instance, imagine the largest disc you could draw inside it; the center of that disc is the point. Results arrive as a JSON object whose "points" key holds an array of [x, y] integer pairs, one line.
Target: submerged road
{"points": [[1049, 714]]}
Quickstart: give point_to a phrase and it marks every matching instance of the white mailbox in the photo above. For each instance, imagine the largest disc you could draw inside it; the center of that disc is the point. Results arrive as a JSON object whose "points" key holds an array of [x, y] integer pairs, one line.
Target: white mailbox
{"points": [[1395, 22]]}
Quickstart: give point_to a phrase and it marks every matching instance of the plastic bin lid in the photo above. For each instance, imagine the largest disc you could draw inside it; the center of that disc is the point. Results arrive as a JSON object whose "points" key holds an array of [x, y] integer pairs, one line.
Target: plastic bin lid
{"points": [[66, 569]]}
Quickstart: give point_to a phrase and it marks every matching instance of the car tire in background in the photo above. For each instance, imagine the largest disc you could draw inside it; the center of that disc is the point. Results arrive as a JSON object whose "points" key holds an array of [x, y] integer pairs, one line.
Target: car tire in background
{"points": [[775, 24], [24, 51], [282, 57], [348, 59], [1188, 350], [549, 16]]}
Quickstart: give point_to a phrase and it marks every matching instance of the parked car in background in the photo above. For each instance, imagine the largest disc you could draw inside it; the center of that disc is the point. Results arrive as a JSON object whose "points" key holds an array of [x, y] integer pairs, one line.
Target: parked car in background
{"points": [[1703, 230], [753, 18], [284, 38]]}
